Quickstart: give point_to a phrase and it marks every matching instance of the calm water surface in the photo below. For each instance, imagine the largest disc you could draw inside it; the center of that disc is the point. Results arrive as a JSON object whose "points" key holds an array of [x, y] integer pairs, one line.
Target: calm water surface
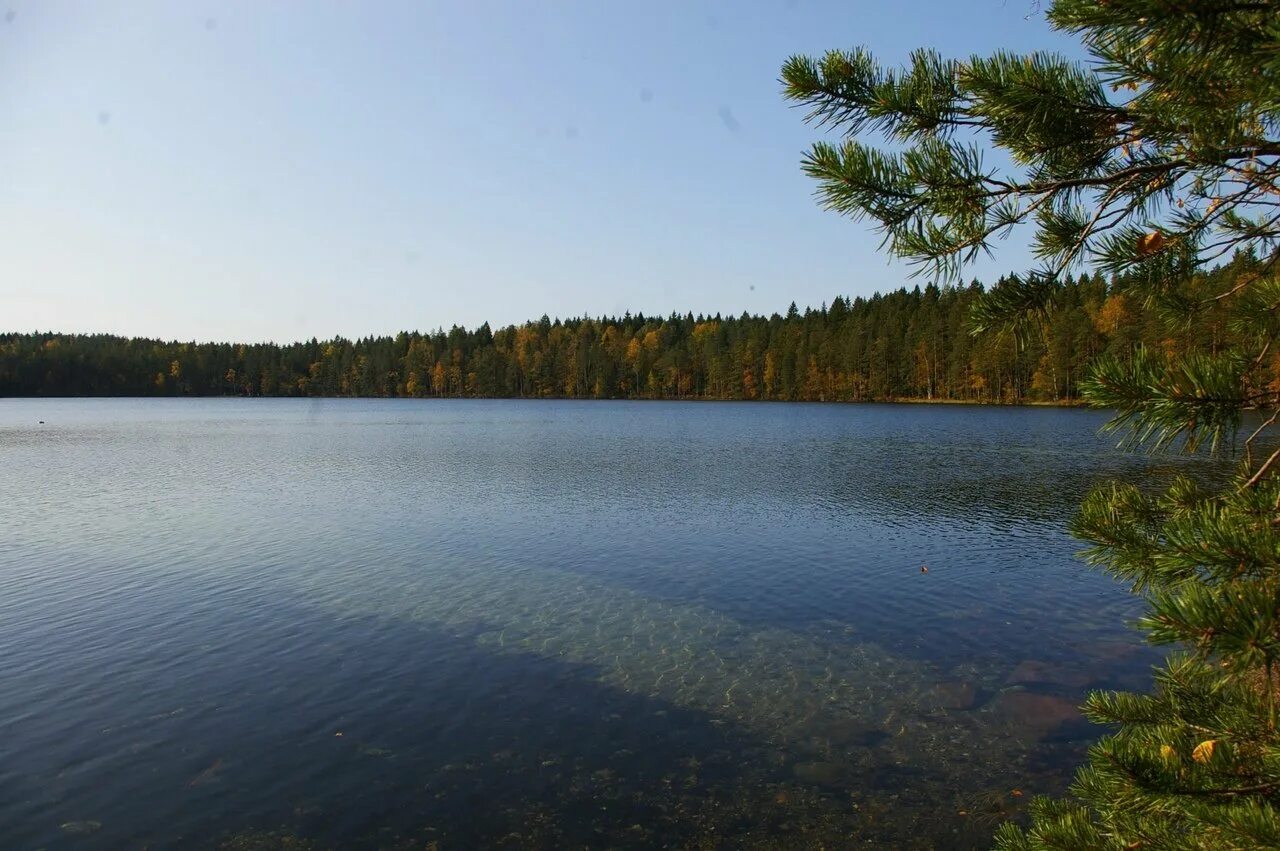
{"points": [[303, 624]]}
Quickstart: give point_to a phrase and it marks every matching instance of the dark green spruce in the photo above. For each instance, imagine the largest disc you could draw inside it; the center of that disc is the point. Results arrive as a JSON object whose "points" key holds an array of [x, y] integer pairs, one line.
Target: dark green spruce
{"points": [[1148, 163]]}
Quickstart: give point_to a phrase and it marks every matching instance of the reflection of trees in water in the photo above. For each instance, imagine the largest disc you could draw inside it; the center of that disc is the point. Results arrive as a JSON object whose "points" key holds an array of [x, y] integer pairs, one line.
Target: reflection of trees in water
{"points": [[876, 476], [975, 486]]}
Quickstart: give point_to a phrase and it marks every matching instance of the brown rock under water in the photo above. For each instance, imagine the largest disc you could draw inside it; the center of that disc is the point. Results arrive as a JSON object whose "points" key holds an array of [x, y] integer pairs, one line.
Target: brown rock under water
{"points": [[1111, 650], [818, 773], [1035, 671], [956, 694], [1039, 713]]}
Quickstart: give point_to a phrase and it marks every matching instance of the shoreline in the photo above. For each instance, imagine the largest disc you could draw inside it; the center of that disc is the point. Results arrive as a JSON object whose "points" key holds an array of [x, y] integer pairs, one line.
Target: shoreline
{"points": [[1028, 403]]}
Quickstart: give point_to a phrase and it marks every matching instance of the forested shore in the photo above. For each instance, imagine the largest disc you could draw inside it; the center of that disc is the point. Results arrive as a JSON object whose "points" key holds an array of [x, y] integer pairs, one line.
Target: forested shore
{"points": [[910, 344]]}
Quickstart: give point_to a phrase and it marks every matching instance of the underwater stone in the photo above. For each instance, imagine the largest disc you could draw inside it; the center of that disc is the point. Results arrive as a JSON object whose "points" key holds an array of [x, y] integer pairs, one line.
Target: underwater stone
{"points": [[1042, 713], [1035, 671], [852, 731], [818, 773], [956, 694]]}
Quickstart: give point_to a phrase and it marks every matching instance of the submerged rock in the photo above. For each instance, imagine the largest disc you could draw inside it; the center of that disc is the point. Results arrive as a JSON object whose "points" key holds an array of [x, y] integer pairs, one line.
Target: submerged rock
{"points": [[1112, 649], [1035, 671], [853, 732], [1039, 713], [957, 694], [819, 773]]}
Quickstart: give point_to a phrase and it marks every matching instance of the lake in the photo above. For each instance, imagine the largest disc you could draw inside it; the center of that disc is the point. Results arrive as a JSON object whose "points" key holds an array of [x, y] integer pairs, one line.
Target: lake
{"points": [[252, 624]]}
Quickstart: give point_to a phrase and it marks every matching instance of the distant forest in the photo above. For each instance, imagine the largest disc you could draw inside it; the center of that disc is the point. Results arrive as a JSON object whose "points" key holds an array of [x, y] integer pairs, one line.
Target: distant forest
{"points": [[908, 344]]}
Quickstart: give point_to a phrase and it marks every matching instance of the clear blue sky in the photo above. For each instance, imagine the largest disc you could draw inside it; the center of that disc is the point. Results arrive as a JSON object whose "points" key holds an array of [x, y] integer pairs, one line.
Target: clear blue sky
{"points": [[273, 171]]}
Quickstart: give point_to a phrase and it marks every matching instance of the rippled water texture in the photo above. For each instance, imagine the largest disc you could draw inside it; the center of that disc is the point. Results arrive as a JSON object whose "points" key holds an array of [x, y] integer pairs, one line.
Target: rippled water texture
{"points": [[290, 624]]}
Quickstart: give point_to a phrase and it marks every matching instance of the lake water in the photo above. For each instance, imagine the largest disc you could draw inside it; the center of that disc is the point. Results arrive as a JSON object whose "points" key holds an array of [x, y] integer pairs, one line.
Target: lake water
{"points": [[301, 624]]}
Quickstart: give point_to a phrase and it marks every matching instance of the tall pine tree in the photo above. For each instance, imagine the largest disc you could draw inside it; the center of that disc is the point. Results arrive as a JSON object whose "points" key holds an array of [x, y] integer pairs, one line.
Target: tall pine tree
{"points": [[1158, 157]]}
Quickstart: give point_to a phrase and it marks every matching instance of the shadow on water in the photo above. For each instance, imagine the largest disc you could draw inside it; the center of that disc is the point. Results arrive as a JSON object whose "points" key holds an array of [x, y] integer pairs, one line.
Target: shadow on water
{"points": [[387, 734]]}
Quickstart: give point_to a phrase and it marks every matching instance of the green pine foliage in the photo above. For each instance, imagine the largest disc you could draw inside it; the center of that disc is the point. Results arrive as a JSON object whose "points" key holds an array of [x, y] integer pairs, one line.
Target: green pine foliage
{"points": [[1151, 162]]}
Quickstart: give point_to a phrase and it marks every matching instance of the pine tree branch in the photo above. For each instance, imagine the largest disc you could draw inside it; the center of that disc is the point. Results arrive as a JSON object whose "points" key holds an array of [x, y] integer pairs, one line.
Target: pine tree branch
{"points": [[1266, 424], [1262, 471], [1237, 790]]}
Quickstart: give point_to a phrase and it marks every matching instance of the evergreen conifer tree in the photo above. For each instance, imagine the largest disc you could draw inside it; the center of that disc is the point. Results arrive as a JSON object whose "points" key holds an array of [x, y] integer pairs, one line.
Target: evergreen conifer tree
{"points": [[1150, 162]]}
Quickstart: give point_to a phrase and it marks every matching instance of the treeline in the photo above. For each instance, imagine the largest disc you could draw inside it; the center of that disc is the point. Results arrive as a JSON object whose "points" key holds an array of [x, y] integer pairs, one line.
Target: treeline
{"points": [[907, 344]]}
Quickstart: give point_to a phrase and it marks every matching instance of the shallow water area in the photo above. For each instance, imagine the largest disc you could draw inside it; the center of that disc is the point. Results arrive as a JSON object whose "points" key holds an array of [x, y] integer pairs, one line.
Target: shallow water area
{"points": [[234, 623]]}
